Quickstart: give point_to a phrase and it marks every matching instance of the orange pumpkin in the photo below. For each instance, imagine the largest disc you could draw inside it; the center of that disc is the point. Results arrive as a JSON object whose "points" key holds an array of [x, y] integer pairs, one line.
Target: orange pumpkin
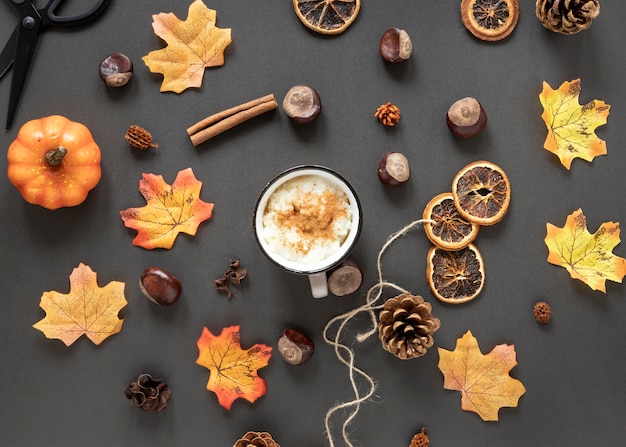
{"points": [[54, 162]]}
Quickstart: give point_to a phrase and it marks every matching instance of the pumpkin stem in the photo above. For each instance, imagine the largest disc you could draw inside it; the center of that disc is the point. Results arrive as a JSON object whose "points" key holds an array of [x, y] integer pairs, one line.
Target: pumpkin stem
{"points": [[55, 157]]}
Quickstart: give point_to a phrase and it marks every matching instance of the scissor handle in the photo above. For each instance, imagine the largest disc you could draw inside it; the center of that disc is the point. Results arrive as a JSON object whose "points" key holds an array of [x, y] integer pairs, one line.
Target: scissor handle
{"points": [[50, 18]]}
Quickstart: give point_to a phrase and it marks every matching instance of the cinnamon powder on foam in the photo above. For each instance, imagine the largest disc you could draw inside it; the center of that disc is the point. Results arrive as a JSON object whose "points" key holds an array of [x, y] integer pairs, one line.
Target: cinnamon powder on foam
{"points": [[312, 217]]}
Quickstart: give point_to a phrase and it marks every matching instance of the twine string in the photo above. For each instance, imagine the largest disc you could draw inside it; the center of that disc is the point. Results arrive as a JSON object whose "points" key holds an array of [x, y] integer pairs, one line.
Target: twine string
{"points": [[345, 354]]}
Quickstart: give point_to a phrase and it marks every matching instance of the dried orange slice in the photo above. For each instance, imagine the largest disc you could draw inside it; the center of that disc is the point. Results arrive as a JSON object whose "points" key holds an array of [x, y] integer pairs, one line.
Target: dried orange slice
{"points": [[327, 16], [482, 192], [445, 227], [455, 276], [490, 20]]}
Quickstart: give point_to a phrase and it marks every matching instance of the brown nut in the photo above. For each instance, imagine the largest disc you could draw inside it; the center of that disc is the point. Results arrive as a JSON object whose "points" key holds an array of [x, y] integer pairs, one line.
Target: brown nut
{"points": [[393, 169], [116, 70], [160, 286], [295, 347], [466, 118], [345, 279], [302, 104], [395, 46]]}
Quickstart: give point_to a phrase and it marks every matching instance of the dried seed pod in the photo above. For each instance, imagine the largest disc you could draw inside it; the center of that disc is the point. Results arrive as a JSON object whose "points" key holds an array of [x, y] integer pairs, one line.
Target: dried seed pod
{"points": [[148, 393], [567, 16], [388, 114], [420, 439], [233, 275], [256, 439], [139, 138], [406, 326], [542, 312]]}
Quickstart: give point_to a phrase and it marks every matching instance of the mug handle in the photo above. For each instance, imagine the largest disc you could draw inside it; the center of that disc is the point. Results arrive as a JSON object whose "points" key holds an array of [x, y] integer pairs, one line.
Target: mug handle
{"points": [[319, 285]]}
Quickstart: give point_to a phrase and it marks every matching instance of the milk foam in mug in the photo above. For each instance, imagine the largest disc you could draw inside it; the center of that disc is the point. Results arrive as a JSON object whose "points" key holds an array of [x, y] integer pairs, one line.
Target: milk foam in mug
{"points": [[307, 220]]}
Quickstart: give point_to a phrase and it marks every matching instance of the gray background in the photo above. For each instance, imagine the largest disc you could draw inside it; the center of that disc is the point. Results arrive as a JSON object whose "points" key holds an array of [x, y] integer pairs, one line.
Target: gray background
{"points": [[573, 369]]}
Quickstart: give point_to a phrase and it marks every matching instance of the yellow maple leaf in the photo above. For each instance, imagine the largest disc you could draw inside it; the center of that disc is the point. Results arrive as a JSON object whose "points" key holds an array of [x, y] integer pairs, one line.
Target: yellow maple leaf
{"points": [[483, 380], [193, 45], [233, 371], [170, 210], [571, 126], [587, 257], [87, 309]]}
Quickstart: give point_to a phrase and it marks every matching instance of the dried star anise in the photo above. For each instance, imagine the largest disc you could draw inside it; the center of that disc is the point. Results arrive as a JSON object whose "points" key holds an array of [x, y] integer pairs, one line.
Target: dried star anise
{"points": [[148, 394], [232, 276]]}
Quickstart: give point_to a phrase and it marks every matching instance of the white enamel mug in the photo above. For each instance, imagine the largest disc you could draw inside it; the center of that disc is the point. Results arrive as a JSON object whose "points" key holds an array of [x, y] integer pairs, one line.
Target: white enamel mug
{"points": [[316, 271]]}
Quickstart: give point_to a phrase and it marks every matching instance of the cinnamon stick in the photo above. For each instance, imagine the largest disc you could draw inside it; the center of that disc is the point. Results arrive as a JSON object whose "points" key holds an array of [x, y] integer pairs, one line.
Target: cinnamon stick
{"points": [[219, 122]]}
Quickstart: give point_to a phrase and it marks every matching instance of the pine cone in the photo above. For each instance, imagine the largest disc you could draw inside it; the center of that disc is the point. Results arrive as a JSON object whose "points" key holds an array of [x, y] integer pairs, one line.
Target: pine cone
{"points": [[421, 439], [148, 394], [406, 326], [256, 439], [139, 138], [388, 114], [567, 16]]}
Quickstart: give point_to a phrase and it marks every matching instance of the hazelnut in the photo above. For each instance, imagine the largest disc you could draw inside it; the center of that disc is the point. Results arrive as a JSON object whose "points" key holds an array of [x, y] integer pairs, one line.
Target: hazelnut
{"points": [[295, 347], [160, 286], [302, 104], [393, 169], [466, 118], [116, 70], [395, 46]]}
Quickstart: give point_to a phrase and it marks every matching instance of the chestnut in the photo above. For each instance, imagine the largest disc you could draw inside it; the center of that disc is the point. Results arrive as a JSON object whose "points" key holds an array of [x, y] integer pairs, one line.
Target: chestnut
{"points": [[395, 46], [345, 279], [160, 286], [302, 104], [116, 70], [466, 118], [295, 347], [393, 169]]}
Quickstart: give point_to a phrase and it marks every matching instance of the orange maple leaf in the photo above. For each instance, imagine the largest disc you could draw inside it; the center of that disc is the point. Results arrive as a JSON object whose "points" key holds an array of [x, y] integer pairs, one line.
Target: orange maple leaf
{"points": [[193, 45], [87, 309], [483, 380], [170, 210], [233, 370], [571, 126], [587, 257]]}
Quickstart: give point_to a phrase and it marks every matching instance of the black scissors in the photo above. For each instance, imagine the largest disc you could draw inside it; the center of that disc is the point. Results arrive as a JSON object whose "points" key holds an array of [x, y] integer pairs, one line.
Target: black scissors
{"points": [[20, 48]]}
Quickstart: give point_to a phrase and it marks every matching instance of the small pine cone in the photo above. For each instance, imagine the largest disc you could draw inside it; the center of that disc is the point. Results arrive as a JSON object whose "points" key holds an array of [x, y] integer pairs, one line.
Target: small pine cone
{"points": [[256, 439], [406, 326], [139, 138], [388, 114], [567, 16], [148, 394], [420, 439], [542, 312]]}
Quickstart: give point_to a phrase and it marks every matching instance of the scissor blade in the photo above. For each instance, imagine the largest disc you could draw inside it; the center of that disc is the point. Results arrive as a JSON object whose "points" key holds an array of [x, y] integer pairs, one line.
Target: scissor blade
{"points": [[26, 43], [7, 57]]}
